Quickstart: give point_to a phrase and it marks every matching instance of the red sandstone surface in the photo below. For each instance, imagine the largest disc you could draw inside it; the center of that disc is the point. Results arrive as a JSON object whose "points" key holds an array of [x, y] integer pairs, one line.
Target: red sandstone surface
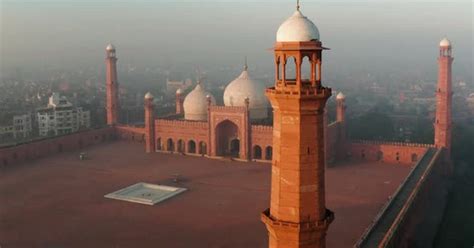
{"points": [[58, 201]]}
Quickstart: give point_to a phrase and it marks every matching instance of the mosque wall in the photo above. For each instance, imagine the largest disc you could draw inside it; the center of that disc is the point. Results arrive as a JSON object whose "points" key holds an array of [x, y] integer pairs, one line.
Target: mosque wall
{"points": [[262, 142], [389, 152], [420, 218], [181, 136], [130, 133], [410, 219], [32, 150]]}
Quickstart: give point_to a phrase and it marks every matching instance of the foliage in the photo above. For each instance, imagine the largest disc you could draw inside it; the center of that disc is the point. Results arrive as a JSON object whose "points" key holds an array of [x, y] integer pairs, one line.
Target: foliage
{"points": [[374, 125]]}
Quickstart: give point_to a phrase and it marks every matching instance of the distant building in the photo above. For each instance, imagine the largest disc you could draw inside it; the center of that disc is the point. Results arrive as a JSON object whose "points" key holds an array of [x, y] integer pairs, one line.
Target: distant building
{"points": [[19, 126], [22, 126], [61, 117], [173, 86]]}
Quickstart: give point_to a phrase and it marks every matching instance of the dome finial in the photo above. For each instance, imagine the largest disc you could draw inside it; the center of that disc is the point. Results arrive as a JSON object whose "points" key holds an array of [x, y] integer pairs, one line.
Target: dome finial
{"points": [[298, 5], [245, 65]]}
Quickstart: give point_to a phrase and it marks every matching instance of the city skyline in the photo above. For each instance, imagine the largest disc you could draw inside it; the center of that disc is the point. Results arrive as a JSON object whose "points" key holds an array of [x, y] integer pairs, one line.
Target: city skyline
{"points": [[219, 35]]}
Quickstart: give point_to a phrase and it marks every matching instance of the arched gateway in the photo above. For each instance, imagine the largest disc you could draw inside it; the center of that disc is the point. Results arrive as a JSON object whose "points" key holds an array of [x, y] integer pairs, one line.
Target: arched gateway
{"points": [[227, 139]]}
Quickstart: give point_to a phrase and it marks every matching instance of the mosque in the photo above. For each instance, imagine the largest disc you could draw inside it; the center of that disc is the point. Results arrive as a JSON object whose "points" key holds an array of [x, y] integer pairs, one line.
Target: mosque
{"points": [[301, 145]]}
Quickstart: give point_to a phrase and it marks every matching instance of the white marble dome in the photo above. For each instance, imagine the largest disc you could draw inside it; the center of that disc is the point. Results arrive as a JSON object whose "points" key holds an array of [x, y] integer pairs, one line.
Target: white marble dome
{"points": [[195, 104], [297, 28], [445, 43], [148, 95], [245, 86], [110, 47], [340, 96]]}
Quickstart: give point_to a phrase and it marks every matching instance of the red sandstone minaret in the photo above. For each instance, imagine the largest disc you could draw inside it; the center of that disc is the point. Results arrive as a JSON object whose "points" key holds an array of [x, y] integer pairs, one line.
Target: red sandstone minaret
{"points": [[298, 216], [444, 97], [341, 119], [111, 85], [340, 107], [149, 124], [179, 101]]}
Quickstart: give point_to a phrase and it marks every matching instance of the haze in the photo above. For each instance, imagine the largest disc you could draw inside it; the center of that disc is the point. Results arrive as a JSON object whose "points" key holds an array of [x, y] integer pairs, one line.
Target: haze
{"points": [[370, 37]]}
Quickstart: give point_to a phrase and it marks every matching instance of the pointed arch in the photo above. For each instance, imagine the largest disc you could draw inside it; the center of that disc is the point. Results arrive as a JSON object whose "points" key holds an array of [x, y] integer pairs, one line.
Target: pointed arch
{"points": [[191, 146], [257, 152]]}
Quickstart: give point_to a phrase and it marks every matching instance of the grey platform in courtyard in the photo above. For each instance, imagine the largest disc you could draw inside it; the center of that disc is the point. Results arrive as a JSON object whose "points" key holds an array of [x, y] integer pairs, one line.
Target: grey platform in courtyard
{"points": [[145, 193]]}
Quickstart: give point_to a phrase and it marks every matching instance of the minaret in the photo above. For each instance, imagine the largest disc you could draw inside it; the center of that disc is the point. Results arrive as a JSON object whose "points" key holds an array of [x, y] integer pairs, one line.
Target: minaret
{"points": [[111, 85], [444, 97], [340, 107], [149, 124], [179, 101], [298, 216], [341, 119]]}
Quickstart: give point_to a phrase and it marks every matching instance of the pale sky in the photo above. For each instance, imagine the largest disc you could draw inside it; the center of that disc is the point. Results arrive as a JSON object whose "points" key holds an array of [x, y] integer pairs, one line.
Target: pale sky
{"points": [[379, 34]]}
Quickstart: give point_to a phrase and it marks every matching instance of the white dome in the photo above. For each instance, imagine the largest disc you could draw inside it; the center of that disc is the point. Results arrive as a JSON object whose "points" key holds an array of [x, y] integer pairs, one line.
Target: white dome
{"points": [[242, 87], [110, 47], [195, 104], [148, 95], [445, 43], [297, 28], [179, 91], [340, 96]]}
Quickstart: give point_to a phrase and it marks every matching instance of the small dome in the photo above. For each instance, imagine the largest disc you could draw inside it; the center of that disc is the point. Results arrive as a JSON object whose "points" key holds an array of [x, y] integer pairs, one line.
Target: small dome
{"points": [[148, 95], [445, 43], [340, 96], [297, 28], [195, 104], [179, 91], [246, 87], [110, 47]]}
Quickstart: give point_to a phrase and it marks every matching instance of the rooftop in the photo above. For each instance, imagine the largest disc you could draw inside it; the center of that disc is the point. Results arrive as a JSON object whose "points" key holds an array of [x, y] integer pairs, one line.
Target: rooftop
{"points": [[221, 207]]}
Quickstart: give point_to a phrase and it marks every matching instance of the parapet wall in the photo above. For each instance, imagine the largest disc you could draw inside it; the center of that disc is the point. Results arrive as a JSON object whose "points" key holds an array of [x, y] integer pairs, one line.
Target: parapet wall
{"points": [[18, 153], [390, 152], [169, 132], [261, 137], [130, 133], [412, 217]]}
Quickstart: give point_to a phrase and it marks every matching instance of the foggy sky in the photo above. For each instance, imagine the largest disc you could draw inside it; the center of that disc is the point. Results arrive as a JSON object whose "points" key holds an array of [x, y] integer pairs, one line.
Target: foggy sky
{"points": [[363, 35]]}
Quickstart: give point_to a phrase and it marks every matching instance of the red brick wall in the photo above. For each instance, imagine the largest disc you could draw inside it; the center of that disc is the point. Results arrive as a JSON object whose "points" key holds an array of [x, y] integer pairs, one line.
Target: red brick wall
{"points": [[187, 131], [29, 151], [130, 133], [390, 152], [261, 136]]}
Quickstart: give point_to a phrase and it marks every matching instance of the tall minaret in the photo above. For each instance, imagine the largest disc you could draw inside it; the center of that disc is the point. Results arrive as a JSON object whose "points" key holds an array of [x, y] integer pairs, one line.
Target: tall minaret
{"points": [[444, 97], [298, 216], [341, 119], [179, 101], [340, 107], [111, 85], [149, 124]]}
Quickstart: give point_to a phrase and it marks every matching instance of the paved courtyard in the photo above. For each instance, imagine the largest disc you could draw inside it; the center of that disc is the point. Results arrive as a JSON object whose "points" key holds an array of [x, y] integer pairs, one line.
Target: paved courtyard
{"points": [[59, 201]]}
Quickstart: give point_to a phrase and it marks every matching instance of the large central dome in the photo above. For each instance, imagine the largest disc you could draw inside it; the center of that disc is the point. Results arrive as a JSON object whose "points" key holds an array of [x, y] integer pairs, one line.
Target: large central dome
{"points": [[297, 28], [242, 87]]}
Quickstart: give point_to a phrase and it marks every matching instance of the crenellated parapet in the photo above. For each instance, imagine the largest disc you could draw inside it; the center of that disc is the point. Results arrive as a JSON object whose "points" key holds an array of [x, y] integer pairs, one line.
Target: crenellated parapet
{"points": [[180, 123], [226, 109], [391, 143], [262, 128], [390, 152]]}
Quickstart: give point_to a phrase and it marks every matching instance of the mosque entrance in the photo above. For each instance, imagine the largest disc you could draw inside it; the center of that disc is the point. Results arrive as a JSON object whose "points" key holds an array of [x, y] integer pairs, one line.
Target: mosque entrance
{"points": [[227, 139], [235, 148]]}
